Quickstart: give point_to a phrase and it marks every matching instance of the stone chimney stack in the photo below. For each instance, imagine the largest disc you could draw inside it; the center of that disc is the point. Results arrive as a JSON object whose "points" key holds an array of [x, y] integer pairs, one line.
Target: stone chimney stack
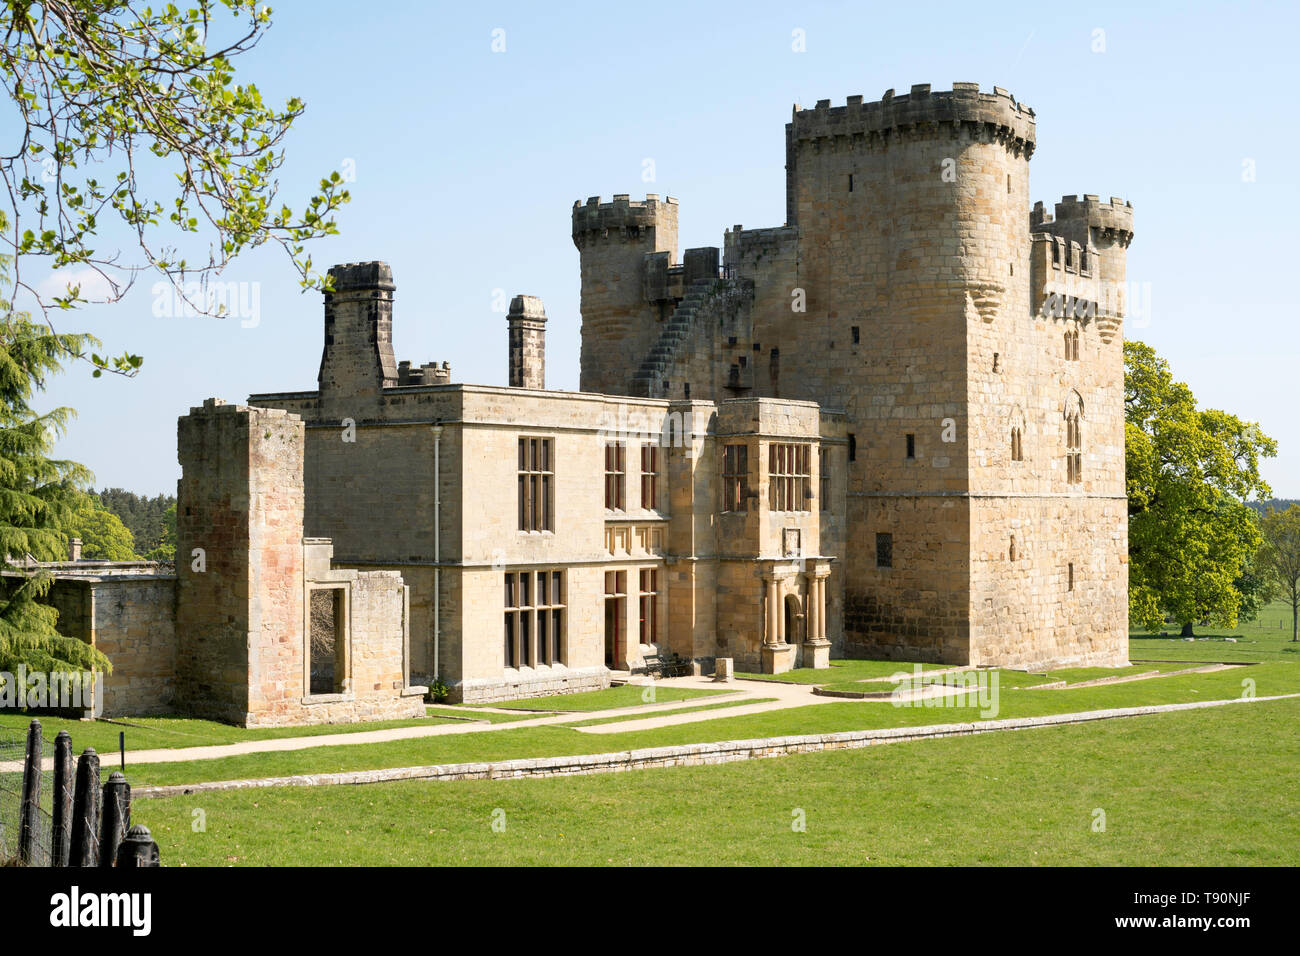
{"points": [[74, 549], [357, 362], [527, 342]]}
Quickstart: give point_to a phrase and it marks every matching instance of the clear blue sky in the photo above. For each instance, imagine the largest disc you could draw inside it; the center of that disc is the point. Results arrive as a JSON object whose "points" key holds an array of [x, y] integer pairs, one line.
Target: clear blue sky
{"points": [[467, 163]]}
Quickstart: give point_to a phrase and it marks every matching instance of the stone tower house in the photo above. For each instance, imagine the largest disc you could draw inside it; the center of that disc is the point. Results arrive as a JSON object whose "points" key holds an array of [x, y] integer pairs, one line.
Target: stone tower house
{"points": [[972, 344]]}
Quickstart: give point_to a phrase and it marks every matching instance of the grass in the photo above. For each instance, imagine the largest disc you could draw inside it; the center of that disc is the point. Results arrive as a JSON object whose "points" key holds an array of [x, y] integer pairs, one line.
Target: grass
{"points": [[672, 713], [1266, 639], [842, 671], [627, 695], [165, 733], [1203, 788], [544, 741]]}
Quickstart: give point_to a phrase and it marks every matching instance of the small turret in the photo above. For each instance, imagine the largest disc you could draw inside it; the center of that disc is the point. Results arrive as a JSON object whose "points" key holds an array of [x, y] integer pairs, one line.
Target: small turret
{"points": [[614, 241]]}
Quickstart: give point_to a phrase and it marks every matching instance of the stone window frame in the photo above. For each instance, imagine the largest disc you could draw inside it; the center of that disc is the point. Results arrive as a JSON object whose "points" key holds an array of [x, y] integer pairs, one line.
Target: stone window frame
{"points": [[1072, 345], [648, 599], [534, 632], [536, 473], [735, 476], [789, 476], [1074, 439], [1017, 428], [650, 476], [824, 477], [615, 475], [615, 588], [344, 624]]}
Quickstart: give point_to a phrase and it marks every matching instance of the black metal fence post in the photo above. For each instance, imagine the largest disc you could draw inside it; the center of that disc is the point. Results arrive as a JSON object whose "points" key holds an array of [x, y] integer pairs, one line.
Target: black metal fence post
{"points": [[117, 817], [61, 839], [31, 806], [84, 849]]}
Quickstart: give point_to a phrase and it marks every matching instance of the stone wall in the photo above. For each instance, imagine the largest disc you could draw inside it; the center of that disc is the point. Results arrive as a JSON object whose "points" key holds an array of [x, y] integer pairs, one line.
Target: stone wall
{"points": [[131, 618]]}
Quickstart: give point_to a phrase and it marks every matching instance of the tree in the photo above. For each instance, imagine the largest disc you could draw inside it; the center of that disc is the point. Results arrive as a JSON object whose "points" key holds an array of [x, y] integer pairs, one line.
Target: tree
{"points": [[113, 97], [1189, 472], [37, 496], [103, 535], [166, 549], [1280, 558]]}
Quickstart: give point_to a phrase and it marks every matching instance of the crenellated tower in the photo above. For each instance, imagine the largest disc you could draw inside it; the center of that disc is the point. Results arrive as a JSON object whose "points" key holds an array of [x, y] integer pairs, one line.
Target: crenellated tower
{"points": [[984, 464], [618, 323]]}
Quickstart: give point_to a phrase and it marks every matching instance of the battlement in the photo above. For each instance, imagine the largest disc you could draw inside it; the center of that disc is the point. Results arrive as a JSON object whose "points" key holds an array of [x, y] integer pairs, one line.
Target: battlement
{"points": [[362, 277], [430, 373], [963, 105], [627, 218], [1074, 215]]}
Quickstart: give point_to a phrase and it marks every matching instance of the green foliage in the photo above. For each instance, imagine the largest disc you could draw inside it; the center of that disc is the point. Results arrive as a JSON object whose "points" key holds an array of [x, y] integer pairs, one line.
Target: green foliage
{"points": [[438, 692], [37, 498], [146, 518], [1279, 558], [103, 535], [111, 97], [1189, 471], [166, 549]]}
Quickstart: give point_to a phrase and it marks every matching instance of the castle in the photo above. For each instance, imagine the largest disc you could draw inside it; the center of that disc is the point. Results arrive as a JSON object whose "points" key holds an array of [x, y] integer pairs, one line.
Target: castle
{"points": [[891, 427]]}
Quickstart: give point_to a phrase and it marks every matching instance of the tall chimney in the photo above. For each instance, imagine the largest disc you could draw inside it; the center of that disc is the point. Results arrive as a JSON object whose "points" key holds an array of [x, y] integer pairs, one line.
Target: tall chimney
{"points": [[357, 362], [527, 321], [74, 549]]}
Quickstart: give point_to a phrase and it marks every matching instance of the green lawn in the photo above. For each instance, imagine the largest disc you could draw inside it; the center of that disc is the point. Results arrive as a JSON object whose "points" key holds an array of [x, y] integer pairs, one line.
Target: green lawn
{"points": [[626, 695], [842, 671], [534, 741], [1265, 639], [1199, 788]]}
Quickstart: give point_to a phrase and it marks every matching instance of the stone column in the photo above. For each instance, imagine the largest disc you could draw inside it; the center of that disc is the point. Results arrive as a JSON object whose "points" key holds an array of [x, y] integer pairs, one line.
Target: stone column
{"points": [[812, 607], [816, 649], [773, 611], [778, 656]]}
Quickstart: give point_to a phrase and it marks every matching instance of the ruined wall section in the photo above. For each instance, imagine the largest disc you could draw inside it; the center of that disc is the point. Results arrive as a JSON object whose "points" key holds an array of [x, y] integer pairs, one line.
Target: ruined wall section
{"points": [[239, 611], [131, 618]]}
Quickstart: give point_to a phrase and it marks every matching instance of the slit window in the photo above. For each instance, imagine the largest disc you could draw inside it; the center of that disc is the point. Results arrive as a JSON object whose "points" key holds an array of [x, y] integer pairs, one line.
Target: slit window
{"points": [[884, 549]]}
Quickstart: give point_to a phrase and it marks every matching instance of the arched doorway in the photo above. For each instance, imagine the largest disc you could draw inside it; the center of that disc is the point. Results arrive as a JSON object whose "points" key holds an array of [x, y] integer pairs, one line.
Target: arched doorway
{"points": [[793, 620]]}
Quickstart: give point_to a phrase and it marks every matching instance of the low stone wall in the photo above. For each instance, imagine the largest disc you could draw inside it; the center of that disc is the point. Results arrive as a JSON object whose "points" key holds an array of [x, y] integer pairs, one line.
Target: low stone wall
{"points": [[344, 709], [687, 755], [541, 683]]}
